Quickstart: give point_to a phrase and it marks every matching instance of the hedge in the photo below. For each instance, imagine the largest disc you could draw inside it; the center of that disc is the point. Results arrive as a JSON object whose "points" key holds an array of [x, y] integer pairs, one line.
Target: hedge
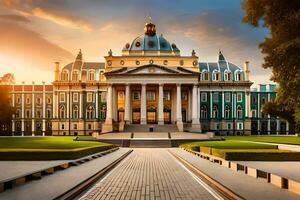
{"points": [[51, 154]]}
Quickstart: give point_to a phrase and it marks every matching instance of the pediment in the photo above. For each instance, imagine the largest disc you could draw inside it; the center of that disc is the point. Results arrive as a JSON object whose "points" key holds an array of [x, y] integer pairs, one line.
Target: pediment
{"points": [[151, 70]]}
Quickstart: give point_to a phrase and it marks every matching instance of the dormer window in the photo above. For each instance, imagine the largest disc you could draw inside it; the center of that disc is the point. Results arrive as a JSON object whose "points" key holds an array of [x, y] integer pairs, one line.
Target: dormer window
{"points": [[205, 76], [91, 76], [238, 76], [65, 76], [216, 76], [75, 76], [227, 76]]}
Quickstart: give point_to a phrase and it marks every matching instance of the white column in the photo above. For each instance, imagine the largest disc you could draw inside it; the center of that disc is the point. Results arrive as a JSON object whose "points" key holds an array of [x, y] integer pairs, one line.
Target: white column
{"points": [[161, 104], [32, 110], [23, 112], [143, 105], [287, 127], [56, 105], [198, 100], [109, 105], [97, 103], [127, 104], [44, 109], [179, 109], [247, 104], [211, 103], [195, 119]]}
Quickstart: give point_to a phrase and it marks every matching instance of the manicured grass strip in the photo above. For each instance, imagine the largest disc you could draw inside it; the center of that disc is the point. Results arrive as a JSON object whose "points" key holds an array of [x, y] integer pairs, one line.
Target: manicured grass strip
{"points": [[48, 148], [243, 151], [273, 139]]}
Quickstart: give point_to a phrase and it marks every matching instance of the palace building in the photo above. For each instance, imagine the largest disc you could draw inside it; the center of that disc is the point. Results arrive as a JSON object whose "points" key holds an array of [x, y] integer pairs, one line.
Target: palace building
{"points": [[150, 85]]}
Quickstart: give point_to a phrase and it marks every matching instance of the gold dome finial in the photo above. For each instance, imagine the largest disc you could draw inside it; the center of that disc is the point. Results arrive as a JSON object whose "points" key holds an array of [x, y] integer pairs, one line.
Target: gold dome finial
{"points": [[150, 28]]}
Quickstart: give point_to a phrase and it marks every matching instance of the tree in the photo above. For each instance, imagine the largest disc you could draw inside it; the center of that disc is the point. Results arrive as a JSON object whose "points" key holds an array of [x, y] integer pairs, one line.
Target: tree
{"points": [[6, 110], [281, 49]]}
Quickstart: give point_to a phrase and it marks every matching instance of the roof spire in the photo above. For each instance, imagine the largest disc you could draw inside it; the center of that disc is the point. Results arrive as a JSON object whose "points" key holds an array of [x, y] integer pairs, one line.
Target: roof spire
{"points": [[221, 56], [79, 56]]}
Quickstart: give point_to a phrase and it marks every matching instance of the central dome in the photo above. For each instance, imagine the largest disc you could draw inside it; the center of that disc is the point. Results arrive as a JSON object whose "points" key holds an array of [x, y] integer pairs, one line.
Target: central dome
{"points": [[150, 42]]}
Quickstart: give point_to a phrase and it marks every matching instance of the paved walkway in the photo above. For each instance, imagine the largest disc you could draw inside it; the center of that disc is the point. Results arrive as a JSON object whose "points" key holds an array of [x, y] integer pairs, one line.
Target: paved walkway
{"points": [[148, 174], [242, 184], [56, 184]]}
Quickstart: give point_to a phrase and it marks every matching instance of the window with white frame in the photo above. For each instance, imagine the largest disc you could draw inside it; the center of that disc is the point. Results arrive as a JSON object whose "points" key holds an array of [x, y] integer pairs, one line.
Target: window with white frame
{"points": [[62, 112], [215, 97], [203, 97], [184, 96], [227, 97], [75, 112], [205, 76], [62, 126], [203, 112], [75, 126], [167, 95], [136, 95], [102, 76], [150, 95], [75, 97], [75, 76], [90, 112], [215, 112], [216, 76], [89, 97], [62, 97], [239, 97], [91, 76], [229, 126], [239, 126], [226, 75], [27, 100], [238, 76], [239, 112], [64, 76], [227, 112]]}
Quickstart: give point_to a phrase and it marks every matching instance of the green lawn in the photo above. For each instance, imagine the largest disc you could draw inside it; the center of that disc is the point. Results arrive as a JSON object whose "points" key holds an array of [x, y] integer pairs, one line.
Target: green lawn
{"points": [[246, 151], [275, 139], [47, 148]]}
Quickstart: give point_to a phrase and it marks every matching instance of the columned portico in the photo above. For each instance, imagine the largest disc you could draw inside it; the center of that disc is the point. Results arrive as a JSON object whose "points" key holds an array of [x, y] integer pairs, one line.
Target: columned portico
{"points": [[108, 125], [178, 109], [161, 104], [143, 105]]}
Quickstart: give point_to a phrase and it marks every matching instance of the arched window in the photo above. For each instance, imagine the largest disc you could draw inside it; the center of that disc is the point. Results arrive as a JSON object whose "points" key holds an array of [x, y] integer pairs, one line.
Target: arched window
{"points": [[227, 112], [91, 76], [65, 76], [215, 112], [238, 76], [204, 76], [75, 112], [102, 77], [239, 112], [90, 112], [203, 112], [62, 112], [75, 76], [227, 75], [216, 75]]}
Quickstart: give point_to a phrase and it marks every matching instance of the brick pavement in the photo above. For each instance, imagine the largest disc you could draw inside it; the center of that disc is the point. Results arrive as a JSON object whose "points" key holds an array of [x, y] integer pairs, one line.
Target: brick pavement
{"points": [[148, 174]]}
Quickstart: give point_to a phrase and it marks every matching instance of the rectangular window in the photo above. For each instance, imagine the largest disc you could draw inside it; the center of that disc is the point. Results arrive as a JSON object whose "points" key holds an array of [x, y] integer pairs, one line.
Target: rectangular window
{"points": [[75, 97], [62, 126], [62, 97], [253, 113], [89, 97], [167, 95], [215, 97], [203, 96], [227, 97], [228, 126], [184, 96], [240, 126], [150, 95], [89, 126], [239, 97], [217, 126], [75, 126], [136, 95]]}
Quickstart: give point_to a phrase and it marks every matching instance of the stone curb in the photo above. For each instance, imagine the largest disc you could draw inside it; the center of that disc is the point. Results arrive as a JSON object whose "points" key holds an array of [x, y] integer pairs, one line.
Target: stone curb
{"points": [[277, 180]]}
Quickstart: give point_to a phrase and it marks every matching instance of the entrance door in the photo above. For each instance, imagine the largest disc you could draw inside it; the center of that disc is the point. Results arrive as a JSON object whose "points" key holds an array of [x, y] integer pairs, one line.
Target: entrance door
{"points": [[120, 115], [167, 116], [151, 117], [136, 116], [183, 115]]}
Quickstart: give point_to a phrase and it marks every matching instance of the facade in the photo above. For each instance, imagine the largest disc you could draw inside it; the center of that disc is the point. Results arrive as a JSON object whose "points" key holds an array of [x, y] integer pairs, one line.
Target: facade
{"points": [[150, 83]]}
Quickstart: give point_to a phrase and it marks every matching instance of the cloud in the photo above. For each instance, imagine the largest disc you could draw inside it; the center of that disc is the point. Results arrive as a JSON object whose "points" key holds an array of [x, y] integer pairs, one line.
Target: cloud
{"points": [[37, 9], [28, 46], [16, 18]]}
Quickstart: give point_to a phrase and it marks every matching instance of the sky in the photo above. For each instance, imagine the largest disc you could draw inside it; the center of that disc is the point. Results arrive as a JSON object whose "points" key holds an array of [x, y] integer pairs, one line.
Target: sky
{"points": [[36, 33]]}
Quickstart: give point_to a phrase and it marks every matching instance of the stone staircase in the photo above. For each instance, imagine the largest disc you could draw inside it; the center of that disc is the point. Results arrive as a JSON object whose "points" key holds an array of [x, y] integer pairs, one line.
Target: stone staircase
{"points": [[160, 143], [146, 127]]}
